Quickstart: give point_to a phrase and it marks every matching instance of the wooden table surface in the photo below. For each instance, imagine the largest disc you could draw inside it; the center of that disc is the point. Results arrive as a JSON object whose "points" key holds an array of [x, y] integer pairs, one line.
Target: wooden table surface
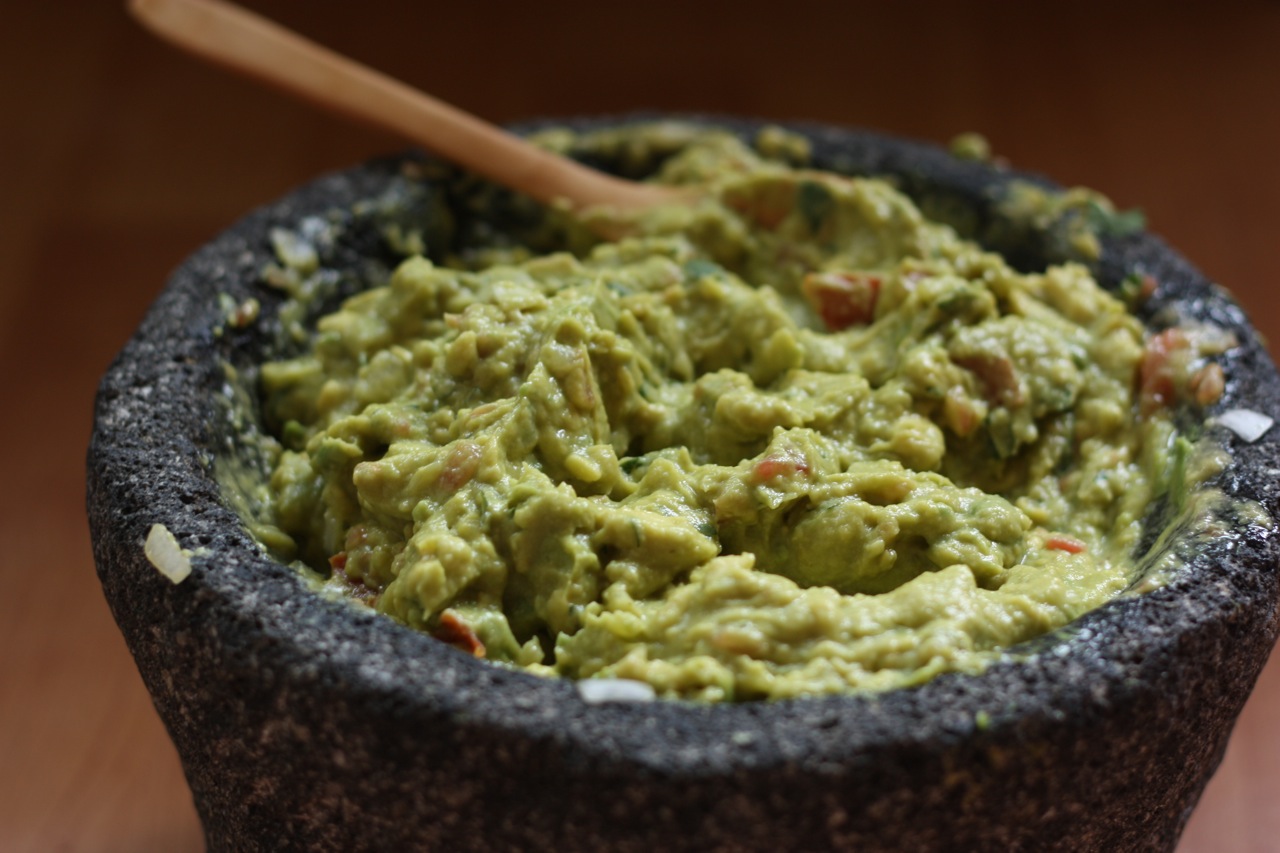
{"points": [[121, 156]]}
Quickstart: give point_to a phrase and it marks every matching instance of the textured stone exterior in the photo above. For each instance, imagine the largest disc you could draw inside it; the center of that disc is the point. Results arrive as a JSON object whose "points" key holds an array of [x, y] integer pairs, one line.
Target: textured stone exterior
{"points": [[306, 724]]}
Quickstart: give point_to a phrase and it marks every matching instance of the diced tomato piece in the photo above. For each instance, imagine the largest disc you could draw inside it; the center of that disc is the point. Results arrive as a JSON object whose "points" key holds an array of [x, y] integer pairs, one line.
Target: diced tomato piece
{"points": [[960, 412], [842, 299], [1207, 384], [460, 466], [1157, 371], [788, 465], [453, 630], [1147, 288], [998, 377], [1064, 543], [338, 561]]}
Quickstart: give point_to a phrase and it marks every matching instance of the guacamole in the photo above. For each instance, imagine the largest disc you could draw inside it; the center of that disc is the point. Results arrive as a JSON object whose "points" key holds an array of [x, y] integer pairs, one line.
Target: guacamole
{"points": [[791, 439]]}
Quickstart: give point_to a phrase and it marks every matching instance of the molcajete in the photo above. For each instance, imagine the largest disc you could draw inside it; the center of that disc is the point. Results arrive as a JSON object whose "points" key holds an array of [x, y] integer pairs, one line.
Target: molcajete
{"points": [[303, 722]]}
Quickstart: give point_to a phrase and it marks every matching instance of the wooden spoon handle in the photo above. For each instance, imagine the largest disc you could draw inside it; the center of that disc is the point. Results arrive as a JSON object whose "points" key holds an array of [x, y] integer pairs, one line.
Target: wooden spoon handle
{"points": [[251, 45]]}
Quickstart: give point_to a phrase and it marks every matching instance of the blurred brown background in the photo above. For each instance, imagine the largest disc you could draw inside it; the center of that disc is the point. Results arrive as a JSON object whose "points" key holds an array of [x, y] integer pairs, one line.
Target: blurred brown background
{"points": [[120, 156]]}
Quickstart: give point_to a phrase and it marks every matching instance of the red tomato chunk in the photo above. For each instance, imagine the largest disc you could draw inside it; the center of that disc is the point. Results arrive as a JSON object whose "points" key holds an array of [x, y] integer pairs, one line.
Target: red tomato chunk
{"points": [[842, 299]]}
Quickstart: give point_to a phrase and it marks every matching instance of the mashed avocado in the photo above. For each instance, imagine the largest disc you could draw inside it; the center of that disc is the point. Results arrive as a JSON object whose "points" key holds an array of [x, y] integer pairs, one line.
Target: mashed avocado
{"points": [[793, 439]]}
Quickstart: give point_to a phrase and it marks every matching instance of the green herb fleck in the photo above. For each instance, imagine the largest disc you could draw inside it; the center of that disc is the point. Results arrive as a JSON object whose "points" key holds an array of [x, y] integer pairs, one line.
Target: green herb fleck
{"points": [[700, 267], [294, 435], [815, 203]]}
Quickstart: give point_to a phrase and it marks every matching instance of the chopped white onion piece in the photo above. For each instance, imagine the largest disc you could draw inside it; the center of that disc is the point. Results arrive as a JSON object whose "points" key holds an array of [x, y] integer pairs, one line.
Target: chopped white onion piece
{"points": [[1246, 423], [597, 690], [163, 552]]}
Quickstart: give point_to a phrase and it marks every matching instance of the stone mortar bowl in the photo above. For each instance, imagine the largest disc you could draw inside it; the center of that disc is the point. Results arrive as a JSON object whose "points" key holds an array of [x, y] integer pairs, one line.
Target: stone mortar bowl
{"points": [[304, 723]]}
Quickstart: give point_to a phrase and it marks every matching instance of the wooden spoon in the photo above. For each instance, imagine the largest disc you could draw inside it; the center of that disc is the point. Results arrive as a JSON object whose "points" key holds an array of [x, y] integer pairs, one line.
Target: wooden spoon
{"points": [[242, 41]]}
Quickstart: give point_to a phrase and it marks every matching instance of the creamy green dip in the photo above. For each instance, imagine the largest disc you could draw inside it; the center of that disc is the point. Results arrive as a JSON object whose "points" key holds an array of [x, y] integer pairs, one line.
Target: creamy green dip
{"points": [[794, 439]]}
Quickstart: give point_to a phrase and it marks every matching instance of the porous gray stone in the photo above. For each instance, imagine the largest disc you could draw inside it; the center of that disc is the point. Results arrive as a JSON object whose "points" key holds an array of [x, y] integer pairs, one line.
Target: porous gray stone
{"points": [[307, 724]]}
